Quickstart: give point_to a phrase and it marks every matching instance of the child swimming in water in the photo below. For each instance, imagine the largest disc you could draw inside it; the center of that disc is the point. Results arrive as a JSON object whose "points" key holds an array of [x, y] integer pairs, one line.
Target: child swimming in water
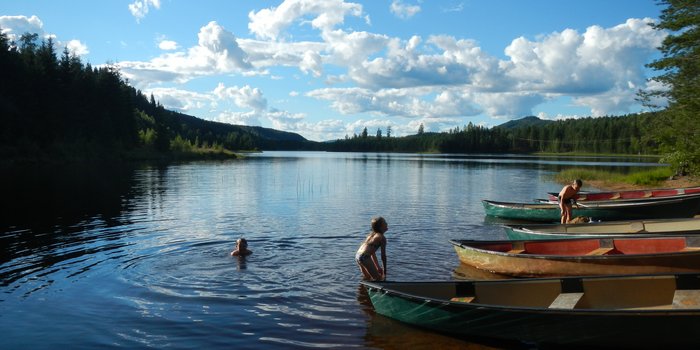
{"points": [[241, 248]]}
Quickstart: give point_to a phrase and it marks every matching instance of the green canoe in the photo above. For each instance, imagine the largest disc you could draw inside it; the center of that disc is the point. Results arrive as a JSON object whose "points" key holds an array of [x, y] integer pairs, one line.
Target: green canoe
{"points": [[679, 207], [633, 311]]}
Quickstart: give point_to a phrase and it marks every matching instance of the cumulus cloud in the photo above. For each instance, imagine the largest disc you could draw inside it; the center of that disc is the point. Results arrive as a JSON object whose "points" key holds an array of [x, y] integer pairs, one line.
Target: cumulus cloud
{"points": [[15, 26], [402, 10], [244, 97], [271, 22], [601, 69], [251, 118], [168, 45], [180, 100], [139, 8], [77, 48], [217, 52], [407, 102]]}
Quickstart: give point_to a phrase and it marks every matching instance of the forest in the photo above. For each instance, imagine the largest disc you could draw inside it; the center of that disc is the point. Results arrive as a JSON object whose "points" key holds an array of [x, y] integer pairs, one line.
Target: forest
{"points": [[57, 108]]}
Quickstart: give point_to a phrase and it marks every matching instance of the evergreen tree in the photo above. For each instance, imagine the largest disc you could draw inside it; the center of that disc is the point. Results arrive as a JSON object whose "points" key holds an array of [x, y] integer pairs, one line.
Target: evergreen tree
{"points": [[677, 129]]}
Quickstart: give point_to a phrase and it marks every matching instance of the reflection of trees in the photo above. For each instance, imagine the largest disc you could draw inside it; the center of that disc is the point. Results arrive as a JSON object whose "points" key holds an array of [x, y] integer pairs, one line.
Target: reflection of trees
{"points": [[52, 213]]}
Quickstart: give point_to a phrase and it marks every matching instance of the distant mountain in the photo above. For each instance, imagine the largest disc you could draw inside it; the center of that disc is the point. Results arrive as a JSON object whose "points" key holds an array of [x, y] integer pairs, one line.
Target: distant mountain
{"points": [[524, 122]]}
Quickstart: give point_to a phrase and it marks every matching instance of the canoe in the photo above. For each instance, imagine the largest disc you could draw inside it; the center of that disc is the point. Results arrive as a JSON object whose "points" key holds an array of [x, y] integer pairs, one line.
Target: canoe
{"points": [[618, 201], [657, 311], [583, 257], [683, 226], [680, 207], [631, 194]]}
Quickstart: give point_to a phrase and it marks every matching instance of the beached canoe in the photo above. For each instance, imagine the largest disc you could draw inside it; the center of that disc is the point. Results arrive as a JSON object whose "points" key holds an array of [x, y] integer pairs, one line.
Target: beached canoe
{"points": [[680, 207], [583, 257], [683, 226], [659, 311], [631, 194]]}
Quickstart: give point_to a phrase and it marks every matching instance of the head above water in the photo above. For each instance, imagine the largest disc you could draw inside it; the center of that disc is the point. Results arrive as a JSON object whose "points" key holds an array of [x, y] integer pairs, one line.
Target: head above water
{"points": [[242, 243], [378, 224]]}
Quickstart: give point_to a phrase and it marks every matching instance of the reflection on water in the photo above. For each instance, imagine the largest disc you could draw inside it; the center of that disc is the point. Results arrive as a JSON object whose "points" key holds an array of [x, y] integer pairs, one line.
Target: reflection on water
{"points": [[137, 256]]}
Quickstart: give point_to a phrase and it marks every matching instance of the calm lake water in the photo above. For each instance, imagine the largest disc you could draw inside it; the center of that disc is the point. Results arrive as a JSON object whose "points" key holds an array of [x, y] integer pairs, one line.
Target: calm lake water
{"points": [[138, 256]]}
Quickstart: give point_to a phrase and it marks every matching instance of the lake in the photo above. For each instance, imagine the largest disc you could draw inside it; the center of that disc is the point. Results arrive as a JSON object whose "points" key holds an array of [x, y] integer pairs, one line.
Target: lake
{"points": [[137, 256]]}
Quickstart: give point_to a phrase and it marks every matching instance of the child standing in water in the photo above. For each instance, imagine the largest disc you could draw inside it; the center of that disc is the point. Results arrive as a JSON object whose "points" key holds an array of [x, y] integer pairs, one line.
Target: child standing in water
{"points": [[366, 256]]}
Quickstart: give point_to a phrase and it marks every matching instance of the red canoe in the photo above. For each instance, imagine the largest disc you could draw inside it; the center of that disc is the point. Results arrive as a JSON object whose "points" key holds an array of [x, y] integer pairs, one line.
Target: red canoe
{"points": [[631, 194], [580, 257]]}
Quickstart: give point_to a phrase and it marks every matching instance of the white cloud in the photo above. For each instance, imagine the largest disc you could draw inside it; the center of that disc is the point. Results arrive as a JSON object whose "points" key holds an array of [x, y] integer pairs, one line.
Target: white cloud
{"points": [[180, 100], [77, 48], [250, 118], [271, 22], [139, 8], [15, 26], [217, 52], [424, 102], [168, 45], [601, 68], [244, 97], [402, 10]]}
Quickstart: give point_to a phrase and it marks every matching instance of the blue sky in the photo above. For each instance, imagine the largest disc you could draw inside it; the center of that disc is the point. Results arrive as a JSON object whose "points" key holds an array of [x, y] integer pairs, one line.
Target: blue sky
{"points": [[329, 68]]}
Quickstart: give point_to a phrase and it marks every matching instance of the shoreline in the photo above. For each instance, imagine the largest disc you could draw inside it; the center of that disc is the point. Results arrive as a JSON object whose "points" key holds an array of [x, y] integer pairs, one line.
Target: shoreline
{"points": [[683, 181]]}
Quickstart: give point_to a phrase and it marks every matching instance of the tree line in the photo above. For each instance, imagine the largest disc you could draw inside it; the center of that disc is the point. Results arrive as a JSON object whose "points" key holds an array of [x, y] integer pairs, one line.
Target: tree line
{"points": [[622, 135], [55, 107]]}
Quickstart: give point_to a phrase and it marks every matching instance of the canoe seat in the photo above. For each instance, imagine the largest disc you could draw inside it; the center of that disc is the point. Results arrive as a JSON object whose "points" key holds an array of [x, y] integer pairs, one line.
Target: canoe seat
{"points": [[686, 299], [516, 251], [600, 251], [636, 227], [462, 299], [566, 301]]}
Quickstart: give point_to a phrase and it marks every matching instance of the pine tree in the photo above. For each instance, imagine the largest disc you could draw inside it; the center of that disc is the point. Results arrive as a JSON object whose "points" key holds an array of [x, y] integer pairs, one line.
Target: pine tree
{"points": [[677, 129]]}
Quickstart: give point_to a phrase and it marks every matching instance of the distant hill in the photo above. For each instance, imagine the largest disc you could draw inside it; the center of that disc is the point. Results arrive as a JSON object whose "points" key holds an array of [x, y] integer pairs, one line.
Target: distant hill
{"points": [[258, 132], [524, 122]]}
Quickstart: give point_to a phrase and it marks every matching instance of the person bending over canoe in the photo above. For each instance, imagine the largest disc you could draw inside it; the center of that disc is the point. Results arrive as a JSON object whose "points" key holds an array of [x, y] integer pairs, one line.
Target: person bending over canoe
{"points": [[366, 256], [567, 198]]}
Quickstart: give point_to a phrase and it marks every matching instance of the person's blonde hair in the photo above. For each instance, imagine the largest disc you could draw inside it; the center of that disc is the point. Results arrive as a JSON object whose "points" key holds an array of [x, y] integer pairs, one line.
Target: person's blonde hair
{"points": [[376, 223]]}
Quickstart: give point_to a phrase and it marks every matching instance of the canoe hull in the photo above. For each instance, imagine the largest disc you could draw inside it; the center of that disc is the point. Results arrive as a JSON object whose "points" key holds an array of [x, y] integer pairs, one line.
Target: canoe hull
{"points": [[609, 328], [583, 257], [688, 226], [522, 266], [543, 212]]}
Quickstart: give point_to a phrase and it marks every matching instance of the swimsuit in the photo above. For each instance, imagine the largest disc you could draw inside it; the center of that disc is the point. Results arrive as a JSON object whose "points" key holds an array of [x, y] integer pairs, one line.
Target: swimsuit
{"points": [[365, 260], [570, 201]]}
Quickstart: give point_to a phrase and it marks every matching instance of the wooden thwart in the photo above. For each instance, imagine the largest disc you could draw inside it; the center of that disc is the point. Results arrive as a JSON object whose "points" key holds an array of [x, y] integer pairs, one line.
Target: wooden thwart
{"points": [[600, 251], [566, 301]]}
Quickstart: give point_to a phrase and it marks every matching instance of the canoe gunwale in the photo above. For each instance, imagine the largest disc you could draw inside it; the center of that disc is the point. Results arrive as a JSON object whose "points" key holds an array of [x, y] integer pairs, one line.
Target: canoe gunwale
{"points": [[460, 244]]}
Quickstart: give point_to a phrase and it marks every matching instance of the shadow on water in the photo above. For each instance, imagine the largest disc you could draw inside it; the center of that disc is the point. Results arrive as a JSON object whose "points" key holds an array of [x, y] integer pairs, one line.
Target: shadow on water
{"points": [[71, 194], [55, 214]]}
